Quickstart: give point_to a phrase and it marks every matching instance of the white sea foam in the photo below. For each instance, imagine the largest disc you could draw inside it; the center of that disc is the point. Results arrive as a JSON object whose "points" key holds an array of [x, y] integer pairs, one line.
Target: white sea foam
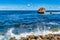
{"points": [[53, 23], [37, 32]]}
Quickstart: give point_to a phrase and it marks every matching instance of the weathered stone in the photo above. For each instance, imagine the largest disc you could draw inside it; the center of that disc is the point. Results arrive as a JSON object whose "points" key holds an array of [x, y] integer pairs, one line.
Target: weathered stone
{"points": [[41, 10], [23, 38], [40, 37], [12, 38], [32, 37]]}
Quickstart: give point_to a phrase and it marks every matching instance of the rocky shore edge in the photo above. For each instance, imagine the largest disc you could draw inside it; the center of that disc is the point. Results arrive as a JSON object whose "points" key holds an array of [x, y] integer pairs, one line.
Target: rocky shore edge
{"points": [[40, 37]]}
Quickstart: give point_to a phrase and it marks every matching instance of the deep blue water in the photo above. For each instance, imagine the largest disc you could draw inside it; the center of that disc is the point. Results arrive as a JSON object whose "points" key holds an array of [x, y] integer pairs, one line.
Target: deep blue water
{"points": [[9, 19]]}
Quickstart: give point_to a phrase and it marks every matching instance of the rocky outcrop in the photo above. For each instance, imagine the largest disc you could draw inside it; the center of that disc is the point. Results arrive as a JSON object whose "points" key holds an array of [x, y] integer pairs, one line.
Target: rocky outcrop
{"points": [[45, 37], [12, 38], [41, 10]]}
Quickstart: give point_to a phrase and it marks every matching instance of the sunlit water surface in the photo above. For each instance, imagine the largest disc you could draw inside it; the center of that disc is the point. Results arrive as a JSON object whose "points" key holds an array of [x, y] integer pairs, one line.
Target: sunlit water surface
{"points": [[22, 23]]}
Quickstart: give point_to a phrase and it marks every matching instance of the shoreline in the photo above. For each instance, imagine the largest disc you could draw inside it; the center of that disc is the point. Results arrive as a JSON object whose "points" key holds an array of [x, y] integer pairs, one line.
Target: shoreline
{"points": [[40, 37]]}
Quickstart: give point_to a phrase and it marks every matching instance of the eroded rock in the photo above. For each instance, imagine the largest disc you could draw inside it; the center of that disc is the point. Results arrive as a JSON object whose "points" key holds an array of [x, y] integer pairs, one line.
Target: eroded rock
{"points": [[12, 38], [40, 37]]}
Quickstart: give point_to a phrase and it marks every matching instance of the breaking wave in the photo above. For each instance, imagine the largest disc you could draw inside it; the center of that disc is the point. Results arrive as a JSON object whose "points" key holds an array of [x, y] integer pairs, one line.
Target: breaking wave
{"points": [[36, 32]]}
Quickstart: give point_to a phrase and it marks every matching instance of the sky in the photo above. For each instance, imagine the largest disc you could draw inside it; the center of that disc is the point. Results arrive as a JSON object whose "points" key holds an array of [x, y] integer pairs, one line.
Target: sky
{"points": [[29, 4]]}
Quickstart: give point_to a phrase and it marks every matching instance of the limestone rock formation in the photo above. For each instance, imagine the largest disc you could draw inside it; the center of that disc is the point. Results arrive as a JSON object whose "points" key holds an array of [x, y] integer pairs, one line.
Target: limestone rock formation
{"points": [[42, 10], [12, 38], [45, 37]]}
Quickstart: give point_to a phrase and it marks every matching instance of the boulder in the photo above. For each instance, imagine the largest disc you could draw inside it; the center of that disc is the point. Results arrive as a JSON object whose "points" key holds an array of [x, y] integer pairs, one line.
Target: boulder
{"points": [[23, 38], [31, 37], [41, 10], [40, 37], [12, 38]]}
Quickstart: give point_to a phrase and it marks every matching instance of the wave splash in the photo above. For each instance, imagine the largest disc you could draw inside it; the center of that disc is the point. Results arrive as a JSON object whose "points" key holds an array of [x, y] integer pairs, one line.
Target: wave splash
{"points": [[37, 32]]}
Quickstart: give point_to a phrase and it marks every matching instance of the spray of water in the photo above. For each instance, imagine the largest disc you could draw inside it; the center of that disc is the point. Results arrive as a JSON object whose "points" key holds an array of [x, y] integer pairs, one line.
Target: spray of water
{"points": [[37, 31]]}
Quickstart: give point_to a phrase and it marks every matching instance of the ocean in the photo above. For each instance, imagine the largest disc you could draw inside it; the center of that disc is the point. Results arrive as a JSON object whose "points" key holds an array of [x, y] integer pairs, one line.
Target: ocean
{"points": [[27, 22]]}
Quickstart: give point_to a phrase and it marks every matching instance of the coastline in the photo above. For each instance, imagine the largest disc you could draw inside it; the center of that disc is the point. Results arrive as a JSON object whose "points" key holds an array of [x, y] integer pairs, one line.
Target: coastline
{"points": [[40, 37]]}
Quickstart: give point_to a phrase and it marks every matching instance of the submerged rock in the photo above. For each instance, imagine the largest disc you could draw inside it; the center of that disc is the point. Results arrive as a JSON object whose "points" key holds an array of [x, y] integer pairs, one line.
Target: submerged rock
{"points": [[12, 38]]}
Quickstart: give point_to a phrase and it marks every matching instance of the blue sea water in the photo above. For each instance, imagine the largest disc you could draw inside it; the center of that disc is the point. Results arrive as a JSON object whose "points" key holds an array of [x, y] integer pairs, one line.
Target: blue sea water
{"points": [[26, 21]]}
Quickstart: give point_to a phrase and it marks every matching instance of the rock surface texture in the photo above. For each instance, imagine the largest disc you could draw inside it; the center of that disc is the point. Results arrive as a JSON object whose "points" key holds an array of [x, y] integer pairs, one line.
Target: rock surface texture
{"points": [[45, 37]]}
